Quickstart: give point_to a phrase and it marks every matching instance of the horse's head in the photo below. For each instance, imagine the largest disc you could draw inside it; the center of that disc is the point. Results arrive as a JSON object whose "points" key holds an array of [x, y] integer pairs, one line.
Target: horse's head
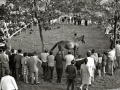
{"points": [[81, 39]]}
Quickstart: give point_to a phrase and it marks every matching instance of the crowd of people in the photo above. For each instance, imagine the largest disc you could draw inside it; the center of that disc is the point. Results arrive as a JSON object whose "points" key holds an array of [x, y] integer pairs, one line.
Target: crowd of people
{"points": [[18, 66]]}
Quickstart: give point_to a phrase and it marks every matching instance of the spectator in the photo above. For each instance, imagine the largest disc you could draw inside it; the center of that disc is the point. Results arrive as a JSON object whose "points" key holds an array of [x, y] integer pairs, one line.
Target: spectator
{"points": [[99, 64], [86, 74], [43, 57], [71, 71], [79, 62], [12, 63], [0, 65], [68, 58], [117, 49], [32, 65], [5, 61], [91, 65], [95, 56], [59, 66], [18, 66], [104, 61], [8, 82], [111, 58], [111, 41], [50, 59], [8, 51], [24, 67]]}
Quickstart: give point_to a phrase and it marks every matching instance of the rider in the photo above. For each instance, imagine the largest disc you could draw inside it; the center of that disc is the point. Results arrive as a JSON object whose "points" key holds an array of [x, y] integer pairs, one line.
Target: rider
{"points": [[75, 39]]}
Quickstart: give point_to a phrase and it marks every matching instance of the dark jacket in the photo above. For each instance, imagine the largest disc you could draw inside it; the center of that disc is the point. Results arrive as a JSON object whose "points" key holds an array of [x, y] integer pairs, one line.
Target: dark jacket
{"points": [[71, 71], [59, 61], [17, 60], [11, 61]]}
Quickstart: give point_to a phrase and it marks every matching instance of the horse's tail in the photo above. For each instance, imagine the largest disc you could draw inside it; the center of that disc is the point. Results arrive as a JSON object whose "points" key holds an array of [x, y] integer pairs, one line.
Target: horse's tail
{"points": [[54, 47]]}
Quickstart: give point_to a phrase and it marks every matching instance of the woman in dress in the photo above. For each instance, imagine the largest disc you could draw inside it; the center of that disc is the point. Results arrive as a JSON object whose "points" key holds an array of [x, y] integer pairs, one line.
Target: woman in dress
{"points": [[85, 73]]}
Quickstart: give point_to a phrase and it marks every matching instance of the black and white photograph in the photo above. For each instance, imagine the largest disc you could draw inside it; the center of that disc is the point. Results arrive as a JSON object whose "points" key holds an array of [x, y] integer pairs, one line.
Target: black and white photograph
{"points": [[59, 44]]}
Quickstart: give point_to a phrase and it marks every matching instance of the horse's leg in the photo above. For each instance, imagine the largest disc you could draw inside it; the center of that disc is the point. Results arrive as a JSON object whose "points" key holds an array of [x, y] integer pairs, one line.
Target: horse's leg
{"points": [[74, 50], [62, 53]]}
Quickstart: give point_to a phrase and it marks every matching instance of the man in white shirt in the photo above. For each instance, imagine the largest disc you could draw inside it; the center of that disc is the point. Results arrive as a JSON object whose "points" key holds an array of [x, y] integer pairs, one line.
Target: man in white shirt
{"points": [[117, 50], [43, 58], [51, 63], [68, 58], [8, 82]]}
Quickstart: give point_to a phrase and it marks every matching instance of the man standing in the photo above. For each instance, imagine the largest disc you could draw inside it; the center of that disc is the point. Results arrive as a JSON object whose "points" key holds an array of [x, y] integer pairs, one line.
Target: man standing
{"points": [[117, 50], [43, 58], [5, 61], [59, 66], [50, 59], [0, 65], [32, 63], [12, 63], [71, 71], [68, 58], [18, 66]]}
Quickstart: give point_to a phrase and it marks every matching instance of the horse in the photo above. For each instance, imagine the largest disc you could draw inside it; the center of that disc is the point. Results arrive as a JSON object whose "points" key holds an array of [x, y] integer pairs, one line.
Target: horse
{"points": [[69, 45]]}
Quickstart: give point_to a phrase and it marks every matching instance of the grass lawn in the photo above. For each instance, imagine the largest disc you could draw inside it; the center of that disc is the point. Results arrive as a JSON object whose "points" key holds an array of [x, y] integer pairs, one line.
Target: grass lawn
{"points": [[94, 38]]}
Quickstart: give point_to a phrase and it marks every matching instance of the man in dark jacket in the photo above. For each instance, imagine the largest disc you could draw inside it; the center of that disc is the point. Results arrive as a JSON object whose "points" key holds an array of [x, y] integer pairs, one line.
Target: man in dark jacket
{"points": [[71, 71], [59, 66], [18, 66], [12, 63]]}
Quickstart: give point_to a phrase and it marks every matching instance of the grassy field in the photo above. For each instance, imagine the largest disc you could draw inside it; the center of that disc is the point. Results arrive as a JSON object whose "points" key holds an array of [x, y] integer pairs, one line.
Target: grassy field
{"points": [[94, 38]]}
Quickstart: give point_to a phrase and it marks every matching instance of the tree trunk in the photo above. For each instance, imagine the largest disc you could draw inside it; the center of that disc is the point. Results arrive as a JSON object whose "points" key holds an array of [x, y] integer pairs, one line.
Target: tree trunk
{"points": [[41, 35], [115, 24], [39, 25]]}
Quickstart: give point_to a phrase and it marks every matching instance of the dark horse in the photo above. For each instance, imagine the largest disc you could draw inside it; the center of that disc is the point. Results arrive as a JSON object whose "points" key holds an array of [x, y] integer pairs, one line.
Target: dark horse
{"points": [[69, 45]]}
